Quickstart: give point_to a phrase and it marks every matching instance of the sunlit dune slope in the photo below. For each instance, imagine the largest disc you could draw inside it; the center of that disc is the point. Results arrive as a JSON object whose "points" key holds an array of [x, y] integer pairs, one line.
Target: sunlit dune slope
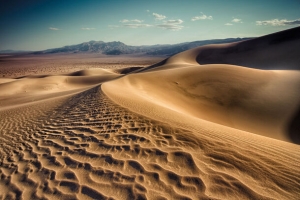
{"points": [[254, 100], [257, 101]]}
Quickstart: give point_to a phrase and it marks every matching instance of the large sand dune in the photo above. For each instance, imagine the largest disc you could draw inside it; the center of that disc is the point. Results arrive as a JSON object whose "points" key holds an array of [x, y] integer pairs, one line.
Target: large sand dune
{"points": [[261, 102], [179, 129]]}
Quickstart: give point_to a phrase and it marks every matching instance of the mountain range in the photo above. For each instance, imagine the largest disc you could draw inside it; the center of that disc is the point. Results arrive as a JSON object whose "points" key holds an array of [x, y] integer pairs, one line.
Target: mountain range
{"points": [[118, 48]]}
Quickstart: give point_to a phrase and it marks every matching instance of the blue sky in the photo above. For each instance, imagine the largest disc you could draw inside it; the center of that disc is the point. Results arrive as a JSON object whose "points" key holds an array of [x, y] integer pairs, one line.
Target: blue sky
{"points": [[44, 24]]}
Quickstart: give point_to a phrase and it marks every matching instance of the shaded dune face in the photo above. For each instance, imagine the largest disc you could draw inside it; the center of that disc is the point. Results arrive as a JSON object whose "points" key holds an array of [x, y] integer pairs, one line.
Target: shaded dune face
{"points": [[276, 51], [293, 127]]}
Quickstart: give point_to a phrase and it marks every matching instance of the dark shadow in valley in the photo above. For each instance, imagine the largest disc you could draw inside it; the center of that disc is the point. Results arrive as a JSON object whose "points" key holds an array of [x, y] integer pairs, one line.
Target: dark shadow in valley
{"points": [[293, 128]]}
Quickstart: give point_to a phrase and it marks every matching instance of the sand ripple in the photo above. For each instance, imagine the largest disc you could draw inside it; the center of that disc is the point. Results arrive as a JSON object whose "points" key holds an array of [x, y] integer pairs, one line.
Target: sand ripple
{"points": [[87, 147]]}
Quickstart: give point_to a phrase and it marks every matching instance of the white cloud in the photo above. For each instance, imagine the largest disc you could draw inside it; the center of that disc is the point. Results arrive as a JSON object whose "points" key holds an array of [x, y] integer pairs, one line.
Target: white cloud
{"points": [[158, 16], [172, 25], [277, 22], [176, 21], [88, 29], [137, 25], [236, 20], [137, 21], [202, 17], [228, 24], [53, 29], [147, 10], [128, 21]]}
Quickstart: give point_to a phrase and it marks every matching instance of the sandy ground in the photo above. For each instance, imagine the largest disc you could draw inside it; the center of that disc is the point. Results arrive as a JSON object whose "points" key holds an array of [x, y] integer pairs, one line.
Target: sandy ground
{"points": [[19, 65], [179, 129]]}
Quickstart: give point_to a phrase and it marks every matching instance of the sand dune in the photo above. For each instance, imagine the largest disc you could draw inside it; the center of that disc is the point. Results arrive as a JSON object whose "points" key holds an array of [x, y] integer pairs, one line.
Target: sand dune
{"points": [[274, 51], [36, 87], [256, 100], [261, 102], [278, 51], [85, 146], [174, 130]]}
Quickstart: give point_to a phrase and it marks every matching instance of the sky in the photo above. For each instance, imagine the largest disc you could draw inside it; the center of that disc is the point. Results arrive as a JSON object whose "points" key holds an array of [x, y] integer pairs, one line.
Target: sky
{"points": [[44, 24]]}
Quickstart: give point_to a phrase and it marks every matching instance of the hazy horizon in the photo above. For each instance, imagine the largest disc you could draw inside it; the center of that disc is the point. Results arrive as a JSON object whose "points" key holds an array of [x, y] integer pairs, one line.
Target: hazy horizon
{"points": [[39, 25]]}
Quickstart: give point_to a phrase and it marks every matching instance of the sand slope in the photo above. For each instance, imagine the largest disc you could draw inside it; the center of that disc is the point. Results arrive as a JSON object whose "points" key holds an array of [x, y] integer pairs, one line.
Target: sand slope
{"points": [[275, 51], [257, 100], [84, 146], [174, 130], [261, 102]]}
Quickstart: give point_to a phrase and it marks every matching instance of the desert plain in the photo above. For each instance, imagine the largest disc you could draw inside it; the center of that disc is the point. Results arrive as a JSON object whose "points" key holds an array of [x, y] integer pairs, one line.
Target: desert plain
{"points": [[214, 122]]}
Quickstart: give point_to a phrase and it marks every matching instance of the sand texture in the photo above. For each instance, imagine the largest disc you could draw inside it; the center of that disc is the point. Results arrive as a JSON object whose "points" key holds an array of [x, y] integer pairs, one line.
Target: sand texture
{"points": [[189, 127]]}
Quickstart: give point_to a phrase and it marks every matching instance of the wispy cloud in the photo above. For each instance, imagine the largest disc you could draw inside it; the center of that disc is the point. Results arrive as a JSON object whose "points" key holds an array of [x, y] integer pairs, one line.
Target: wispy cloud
{"points": [[133, 23], [175, 21], [174, 25], [277, 22], [202, 17], [147, 10], [159, 16], [88, 29], [228, 24], [137, 25], [133, 20], [137, 21], [124, 21], [53, 29], [236, 20]]}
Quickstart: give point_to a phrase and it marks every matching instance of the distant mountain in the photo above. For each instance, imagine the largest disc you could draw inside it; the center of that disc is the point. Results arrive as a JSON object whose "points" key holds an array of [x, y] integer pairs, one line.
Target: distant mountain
{"points": [[108, 48], [118, 48]]}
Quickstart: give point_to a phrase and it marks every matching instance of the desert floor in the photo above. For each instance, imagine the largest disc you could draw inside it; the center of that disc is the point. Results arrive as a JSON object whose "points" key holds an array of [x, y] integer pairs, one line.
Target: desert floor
{"points": [[89, 127]]}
